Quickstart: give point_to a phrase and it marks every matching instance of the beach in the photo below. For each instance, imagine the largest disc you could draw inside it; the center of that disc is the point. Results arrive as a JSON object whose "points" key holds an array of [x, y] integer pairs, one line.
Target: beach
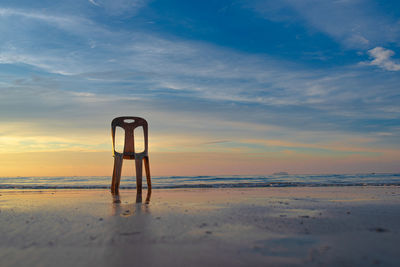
{"points": [[285, 226]]}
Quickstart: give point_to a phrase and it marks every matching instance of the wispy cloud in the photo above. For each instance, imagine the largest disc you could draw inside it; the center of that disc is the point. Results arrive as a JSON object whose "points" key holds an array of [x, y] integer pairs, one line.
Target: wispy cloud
{"points": [[188, 87], [68, 22], [355, 24], [93, 2], [190, 69], [382, 58], [120, 7]]}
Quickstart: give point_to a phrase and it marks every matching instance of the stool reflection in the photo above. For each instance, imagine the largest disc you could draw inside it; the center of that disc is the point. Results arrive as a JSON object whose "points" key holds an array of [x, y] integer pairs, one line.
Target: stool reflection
{"points": [[129, 209]]}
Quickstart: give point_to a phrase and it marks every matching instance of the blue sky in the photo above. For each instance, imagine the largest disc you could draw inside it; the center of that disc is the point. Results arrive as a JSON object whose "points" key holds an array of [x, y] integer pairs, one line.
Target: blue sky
{"points": [[314, 77]]}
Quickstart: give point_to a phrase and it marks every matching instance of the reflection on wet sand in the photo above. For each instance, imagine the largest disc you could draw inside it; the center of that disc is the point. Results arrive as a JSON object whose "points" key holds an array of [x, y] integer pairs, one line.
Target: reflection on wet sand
{"points": [[128, 209], [139, 197], [201, 227], [130, 224]]}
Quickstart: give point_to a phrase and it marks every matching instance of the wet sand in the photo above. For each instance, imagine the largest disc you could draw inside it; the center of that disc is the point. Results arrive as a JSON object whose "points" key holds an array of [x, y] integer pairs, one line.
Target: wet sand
{"points": [[307, 226]]}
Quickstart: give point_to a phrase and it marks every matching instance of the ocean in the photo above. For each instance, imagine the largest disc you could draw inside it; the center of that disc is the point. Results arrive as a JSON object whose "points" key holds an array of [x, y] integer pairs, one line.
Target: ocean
{"points": [[232, 181]]}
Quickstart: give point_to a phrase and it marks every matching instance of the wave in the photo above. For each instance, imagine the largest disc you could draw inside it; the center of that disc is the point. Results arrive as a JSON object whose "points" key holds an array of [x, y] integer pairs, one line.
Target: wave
{"points": [[233, 181]]}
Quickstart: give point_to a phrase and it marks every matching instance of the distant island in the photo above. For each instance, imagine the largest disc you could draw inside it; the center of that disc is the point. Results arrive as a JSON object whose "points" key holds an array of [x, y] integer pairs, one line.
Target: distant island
{"points": [[280, 173]]}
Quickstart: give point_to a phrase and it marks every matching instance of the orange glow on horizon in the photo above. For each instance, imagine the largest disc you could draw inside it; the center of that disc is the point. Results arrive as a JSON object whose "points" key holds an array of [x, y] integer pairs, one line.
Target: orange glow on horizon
{"points": [[67, 163]]}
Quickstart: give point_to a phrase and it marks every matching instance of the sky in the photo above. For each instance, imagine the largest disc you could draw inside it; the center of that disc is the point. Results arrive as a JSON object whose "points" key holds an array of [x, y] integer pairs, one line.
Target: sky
{"points": [[227, 87]]}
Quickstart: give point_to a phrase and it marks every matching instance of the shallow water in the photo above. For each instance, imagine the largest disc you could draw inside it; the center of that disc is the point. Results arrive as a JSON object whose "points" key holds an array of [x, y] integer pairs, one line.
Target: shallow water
{"points": [[233, 181]]}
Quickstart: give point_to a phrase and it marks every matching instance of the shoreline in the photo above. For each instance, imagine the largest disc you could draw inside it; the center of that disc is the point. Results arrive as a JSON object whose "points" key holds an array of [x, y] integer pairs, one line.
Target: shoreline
{"points": [[223, 181], [205, 186], [275, 226]]}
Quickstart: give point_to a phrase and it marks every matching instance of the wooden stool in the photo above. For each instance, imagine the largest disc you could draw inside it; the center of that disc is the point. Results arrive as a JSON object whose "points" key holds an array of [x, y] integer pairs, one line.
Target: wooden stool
{"points": [[129, 124]]}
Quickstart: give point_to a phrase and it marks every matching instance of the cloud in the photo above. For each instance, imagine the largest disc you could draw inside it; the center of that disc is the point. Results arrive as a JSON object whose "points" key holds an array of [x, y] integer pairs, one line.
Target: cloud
{"points": [[93, 2], [69, 22], [43, 62], [60, 41], [382, 58], [120, 7], [176, 84], [355, 24]]}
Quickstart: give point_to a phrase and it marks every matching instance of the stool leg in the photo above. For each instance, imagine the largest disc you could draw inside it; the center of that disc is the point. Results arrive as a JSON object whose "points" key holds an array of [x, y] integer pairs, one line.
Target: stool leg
{"points": [[147, 168], [139, 172], [138, 198], [116, 178], [148, 196]]}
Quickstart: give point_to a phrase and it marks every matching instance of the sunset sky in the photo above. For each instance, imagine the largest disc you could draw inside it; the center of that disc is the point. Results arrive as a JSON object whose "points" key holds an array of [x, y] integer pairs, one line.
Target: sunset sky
{"points": [[227, 87]]}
